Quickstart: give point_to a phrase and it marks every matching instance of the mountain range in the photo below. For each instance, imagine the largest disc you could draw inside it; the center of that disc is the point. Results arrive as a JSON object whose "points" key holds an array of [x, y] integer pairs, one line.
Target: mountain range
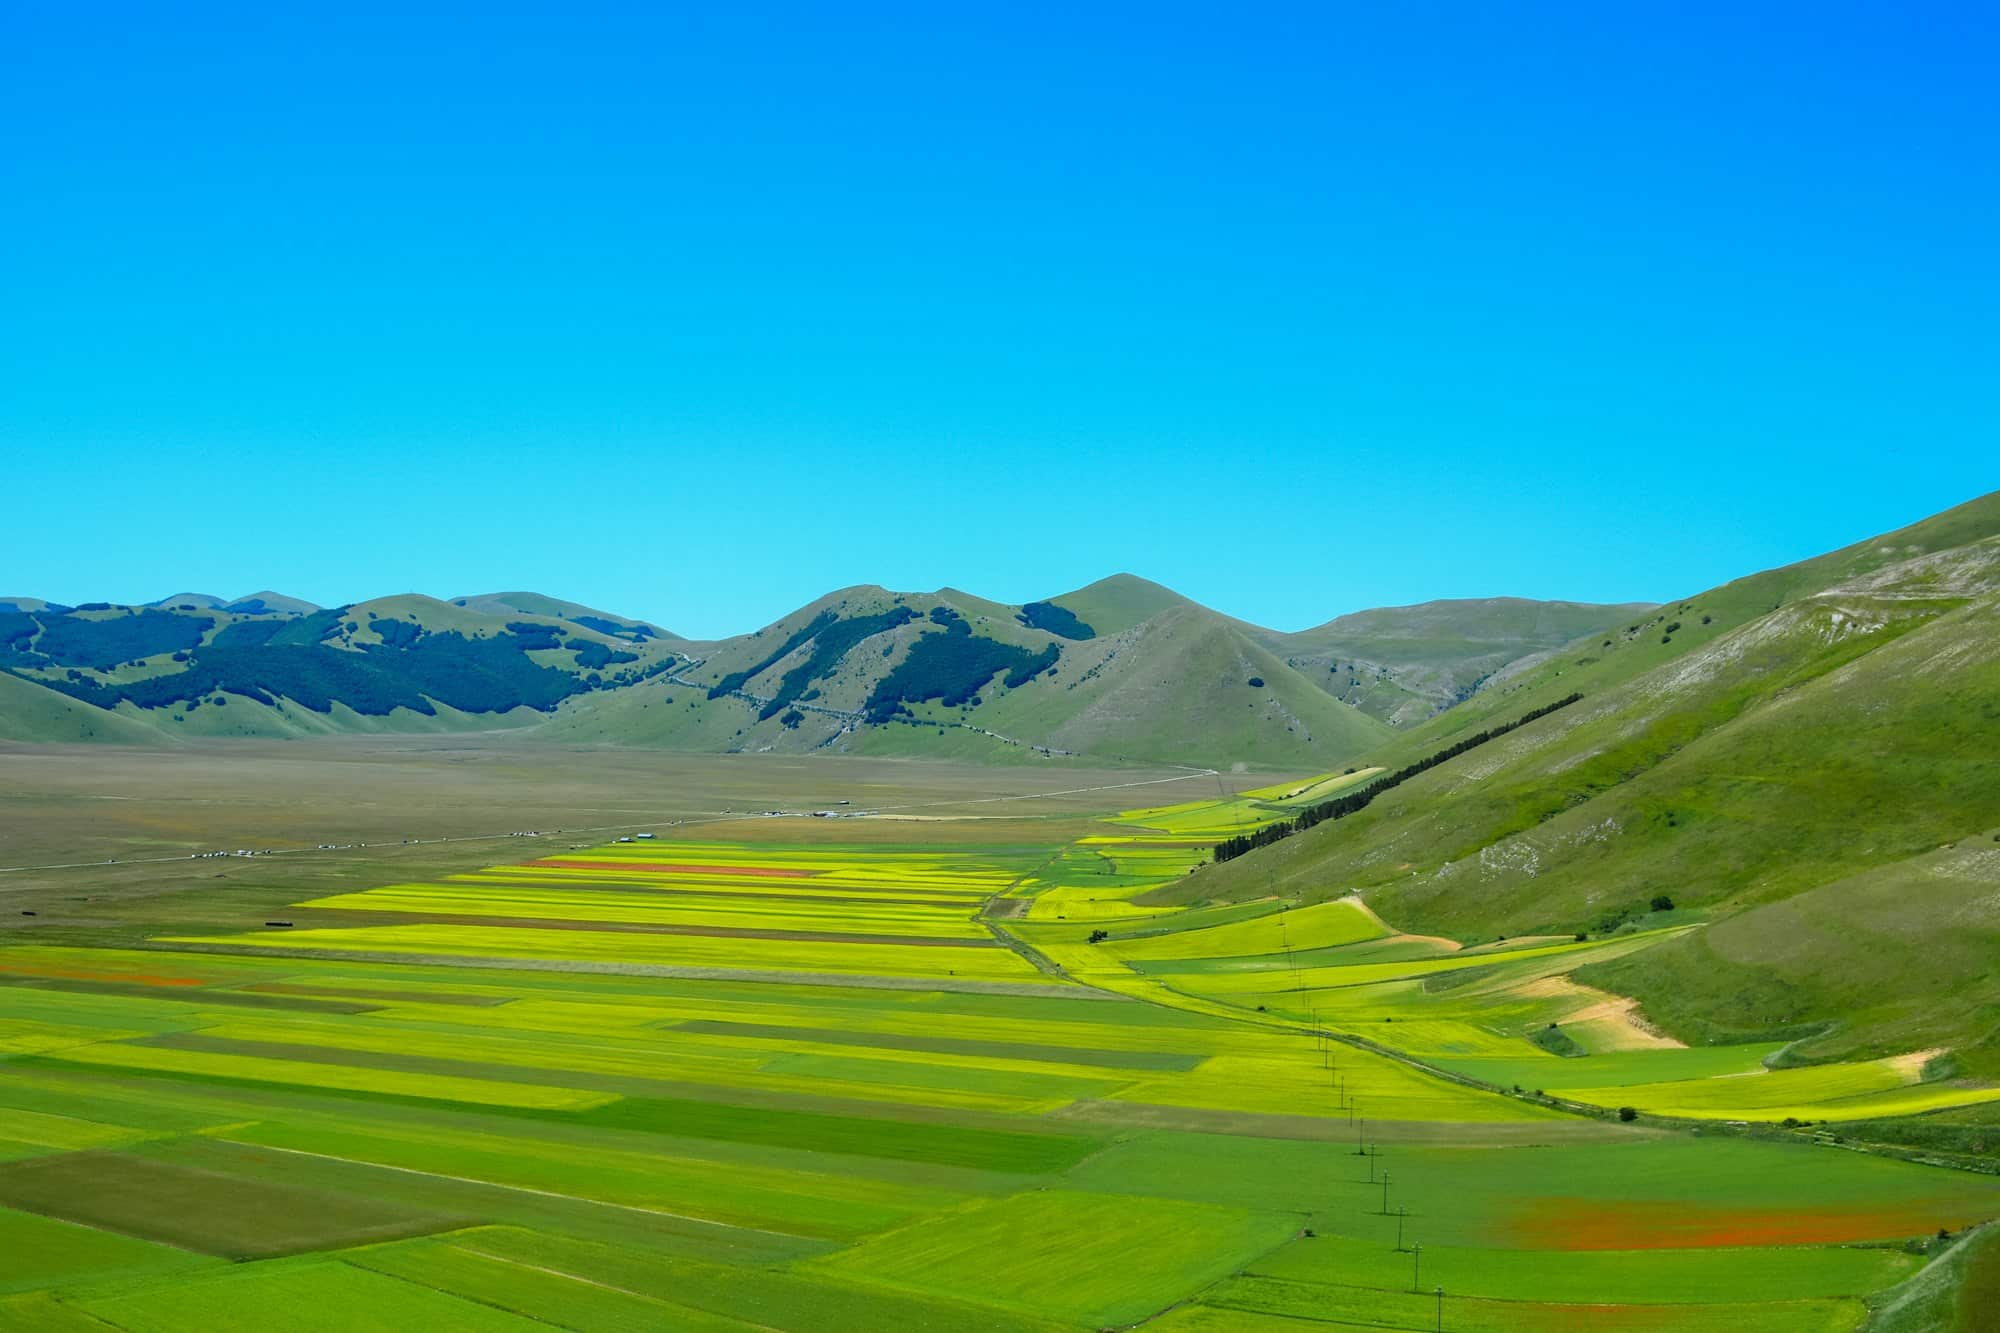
{"points": [[1123, 669]]}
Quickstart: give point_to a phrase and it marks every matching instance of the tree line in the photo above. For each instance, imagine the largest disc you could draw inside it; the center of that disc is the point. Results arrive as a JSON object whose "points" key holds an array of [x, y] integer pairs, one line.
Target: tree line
{"points": [[1342, 806]]}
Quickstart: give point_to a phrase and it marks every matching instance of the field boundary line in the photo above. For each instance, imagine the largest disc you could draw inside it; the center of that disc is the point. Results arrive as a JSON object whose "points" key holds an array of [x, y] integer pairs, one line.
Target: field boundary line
{"points": [[521, 1189], [585, 1281], [465, 1296], [851, 981]]}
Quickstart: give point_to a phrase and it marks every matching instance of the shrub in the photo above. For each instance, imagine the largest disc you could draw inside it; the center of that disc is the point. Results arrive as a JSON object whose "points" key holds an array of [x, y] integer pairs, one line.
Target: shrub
{"points": [[1342, 806], [1256, 682], [247, 633], [535, 636], [474, 675], [1056, 620], [1097, 935], [399, 633], [590, 655], [1628, 1113], [1662, 903], [616, 628], [954, 666], [103, 644]]}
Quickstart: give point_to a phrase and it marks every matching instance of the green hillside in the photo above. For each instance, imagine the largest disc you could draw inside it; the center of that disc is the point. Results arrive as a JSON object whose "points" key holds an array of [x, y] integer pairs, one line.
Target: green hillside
{"points": [[267, 602], [1405, 663], [408, 663], [195, 601], [29, 712], [1119, 603], [1188, 686], [555, 608], [1781, 757], [865, 670]]}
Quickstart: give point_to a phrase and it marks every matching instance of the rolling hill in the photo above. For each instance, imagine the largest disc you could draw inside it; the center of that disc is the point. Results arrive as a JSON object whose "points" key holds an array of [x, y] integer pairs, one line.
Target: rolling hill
{"points": [[1122, 669], [555, 608], [865, 670], [1801, 762], [1406, 663]]}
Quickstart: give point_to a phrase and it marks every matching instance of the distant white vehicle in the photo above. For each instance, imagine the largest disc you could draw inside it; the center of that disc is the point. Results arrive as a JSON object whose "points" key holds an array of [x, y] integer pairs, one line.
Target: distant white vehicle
{"points": [[624, 840]]}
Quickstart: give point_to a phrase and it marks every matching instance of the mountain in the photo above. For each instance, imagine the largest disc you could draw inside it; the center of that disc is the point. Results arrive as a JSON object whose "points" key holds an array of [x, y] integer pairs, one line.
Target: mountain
{"points": [[866, 670], [254, 668], [1801, 761], [189, 601], [534, 603], [1406, 663], [271, 603], [256, 603], [1119, 603], [1123, 669]]}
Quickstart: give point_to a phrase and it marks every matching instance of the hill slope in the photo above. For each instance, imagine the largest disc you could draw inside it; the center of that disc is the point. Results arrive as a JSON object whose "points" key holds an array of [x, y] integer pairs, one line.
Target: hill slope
{"points": [[1791, 747], [1406, 663], [555, 608], [398, 663], [866, 670]]}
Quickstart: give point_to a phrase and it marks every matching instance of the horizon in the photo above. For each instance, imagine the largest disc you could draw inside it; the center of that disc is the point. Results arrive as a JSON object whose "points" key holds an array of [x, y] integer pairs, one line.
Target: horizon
{"points": [[668, 623], [698, 317], [941, 590]]}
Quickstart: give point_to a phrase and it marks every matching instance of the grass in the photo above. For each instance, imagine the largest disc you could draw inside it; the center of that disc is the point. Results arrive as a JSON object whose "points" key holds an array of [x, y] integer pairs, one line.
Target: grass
{"points": [[1093, 1258], [1324, 925], [674, 951], [1605, 1277], [347, 1078], [1956, 1294], [1849, 1091], [533, 1289], [314, 1295], [242, 1210], [37, 1251]]}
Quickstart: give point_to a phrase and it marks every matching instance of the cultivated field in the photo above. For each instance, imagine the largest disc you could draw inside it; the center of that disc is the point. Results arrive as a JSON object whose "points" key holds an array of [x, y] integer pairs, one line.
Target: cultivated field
{"points": [[824, 1072]]}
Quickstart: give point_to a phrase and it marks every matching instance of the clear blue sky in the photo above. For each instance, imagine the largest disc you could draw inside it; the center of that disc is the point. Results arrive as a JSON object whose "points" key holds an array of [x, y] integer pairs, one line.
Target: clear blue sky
{"points": [[696, 312]]}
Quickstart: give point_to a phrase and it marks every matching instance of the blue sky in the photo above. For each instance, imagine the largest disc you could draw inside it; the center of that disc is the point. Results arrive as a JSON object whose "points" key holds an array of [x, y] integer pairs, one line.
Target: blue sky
{"points": [[695, 314]]}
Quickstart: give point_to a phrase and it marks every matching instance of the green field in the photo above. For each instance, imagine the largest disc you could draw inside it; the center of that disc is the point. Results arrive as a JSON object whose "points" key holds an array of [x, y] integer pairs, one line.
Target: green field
{"points": [[855, 1074]]}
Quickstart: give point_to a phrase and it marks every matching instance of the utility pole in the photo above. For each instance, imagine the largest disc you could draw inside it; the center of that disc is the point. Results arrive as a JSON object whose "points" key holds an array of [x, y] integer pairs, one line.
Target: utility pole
{"points": [[1440, 1296], [1416, 1263], [1401, 1213], [1385, 1194], [1373, 1153], [1362, 1128]]}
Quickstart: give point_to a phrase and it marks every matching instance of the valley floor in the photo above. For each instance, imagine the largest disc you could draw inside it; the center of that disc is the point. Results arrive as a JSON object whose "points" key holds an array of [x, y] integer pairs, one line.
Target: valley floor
{"points": [[916, 1061]]}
